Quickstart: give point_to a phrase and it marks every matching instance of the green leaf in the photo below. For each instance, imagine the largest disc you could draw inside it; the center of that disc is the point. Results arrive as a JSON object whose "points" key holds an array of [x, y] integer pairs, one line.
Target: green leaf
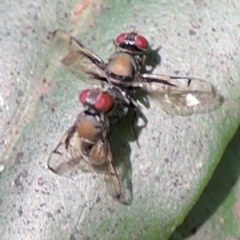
{"points": [[39, 102], [217, 210]]}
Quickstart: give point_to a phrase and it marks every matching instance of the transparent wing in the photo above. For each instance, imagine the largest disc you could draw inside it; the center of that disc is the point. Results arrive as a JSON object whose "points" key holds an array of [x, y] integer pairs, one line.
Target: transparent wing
{"points": [[182, 95], [78, 58], [66, 158], [119, 191]]}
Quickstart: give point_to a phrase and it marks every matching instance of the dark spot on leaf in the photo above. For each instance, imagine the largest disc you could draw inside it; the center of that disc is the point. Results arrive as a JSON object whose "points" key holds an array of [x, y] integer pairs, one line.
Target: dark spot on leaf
{"points": [[50, 215], [20, 93], [23, 174], [45, 193], [166, 160], [192, 32], [18, 183], [41, 181], [19, 157], [98, 199], [72, 237], [20, 212], [59, 211], [176, 183], [111, 210]]}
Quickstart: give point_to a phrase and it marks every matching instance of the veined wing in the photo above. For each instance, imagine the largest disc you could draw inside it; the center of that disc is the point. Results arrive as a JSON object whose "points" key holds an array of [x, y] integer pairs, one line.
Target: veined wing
{"points": [[78, 58], [115, 186], [182, 95], [67, 156]]}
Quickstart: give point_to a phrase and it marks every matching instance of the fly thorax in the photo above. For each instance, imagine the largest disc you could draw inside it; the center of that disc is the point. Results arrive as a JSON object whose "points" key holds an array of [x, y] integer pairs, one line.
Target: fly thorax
{"points": [[89, 127], [121, 64]]}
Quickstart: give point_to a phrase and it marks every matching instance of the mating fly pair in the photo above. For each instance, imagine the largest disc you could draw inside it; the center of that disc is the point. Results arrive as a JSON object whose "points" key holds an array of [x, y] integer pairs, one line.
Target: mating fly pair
{"points": [[87, 139]]}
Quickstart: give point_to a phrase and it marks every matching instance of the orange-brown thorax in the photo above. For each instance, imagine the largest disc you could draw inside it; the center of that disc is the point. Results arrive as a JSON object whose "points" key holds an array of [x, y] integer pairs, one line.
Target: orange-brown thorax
{"points": [[88, 130], [120, 64]]}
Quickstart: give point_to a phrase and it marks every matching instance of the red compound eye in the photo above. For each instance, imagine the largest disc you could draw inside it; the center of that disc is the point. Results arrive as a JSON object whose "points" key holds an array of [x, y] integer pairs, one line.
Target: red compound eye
{"points": [[141, 42], [83, 95], [120, 39], [104, 102]]}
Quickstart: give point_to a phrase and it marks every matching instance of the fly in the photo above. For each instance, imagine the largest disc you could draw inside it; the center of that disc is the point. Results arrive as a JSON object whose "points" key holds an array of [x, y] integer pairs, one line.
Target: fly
{"points": [[86, 142], [177, 95]]}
